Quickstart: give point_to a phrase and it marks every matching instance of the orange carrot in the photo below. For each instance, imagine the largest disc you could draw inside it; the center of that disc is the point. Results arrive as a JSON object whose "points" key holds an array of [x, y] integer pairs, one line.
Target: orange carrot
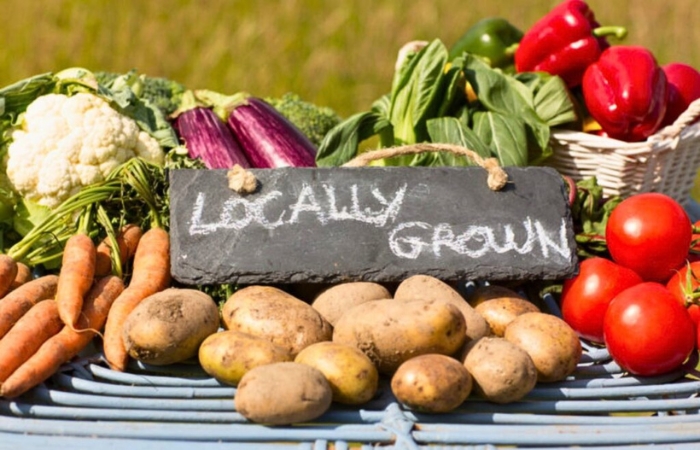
{"points": [[27, 335], [8, 272], [127, 238], [24, 274], [151, 274], [18, 302], [65, 345], [76, 277]]}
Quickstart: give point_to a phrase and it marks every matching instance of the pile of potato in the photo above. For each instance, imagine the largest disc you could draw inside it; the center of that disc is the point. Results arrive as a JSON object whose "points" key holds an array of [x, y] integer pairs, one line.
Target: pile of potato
{"points": [[290, 359]]}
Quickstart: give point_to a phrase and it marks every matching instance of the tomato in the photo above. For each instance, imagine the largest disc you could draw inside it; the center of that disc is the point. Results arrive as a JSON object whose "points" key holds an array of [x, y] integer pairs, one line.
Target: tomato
{"points": [[685, 286], [586, 296], [651, 234], [647, 331]]}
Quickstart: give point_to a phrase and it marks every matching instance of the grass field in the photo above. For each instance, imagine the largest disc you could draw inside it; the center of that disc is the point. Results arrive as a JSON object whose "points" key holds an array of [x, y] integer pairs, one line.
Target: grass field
{"points": [[335, 52]]}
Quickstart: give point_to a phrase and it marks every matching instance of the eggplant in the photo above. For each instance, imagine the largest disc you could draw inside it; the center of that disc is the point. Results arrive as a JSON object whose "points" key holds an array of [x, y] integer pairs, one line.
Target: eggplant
{"points": [[207, 137], [268, 139]]}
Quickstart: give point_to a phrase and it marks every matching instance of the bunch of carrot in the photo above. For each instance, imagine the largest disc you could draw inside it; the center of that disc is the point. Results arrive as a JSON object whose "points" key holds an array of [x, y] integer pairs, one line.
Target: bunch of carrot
{"points": [[47, 321]]}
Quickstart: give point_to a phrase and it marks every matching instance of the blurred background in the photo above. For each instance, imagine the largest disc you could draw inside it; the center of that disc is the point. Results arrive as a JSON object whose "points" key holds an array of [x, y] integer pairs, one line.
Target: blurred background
{"points": [[338, 53]]}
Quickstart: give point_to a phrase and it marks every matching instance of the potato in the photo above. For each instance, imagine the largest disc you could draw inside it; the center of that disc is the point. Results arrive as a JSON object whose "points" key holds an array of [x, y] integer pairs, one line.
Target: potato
{"points": [[551, 343], [334, 301], [499, 306], [502, 372], [426, 287], [431, 383], [390, 332], [283, 393], [353, 378], [229, 354], [277, 316], [169, 326]]}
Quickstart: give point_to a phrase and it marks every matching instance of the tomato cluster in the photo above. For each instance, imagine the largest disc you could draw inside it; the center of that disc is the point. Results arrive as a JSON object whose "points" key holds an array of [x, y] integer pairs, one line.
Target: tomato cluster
{"points": [[641, 301]]}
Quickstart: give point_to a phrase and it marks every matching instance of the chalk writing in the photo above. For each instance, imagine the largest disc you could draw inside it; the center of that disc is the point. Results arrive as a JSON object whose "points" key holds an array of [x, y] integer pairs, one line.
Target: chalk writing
{"points": [[240, 212], [412, 239], [407, 240]]}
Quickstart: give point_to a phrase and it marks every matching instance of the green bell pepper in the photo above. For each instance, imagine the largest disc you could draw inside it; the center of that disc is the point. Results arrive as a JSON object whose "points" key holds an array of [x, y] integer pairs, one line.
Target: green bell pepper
{"points": [[493, 38]]}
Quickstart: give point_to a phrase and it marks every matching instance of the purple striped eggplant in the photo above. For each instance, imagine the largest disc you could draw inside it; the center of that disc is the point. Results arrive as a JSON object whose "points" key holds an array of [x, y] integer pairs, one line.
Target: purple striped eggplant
{"points": [[268, 139], [207, 137]]}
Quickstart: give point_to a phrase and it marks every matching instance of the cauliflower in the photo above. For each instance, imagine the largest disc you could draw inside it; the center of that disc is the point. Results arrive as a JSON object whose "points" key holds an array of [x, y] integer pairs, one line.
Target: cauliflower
{"points": [[68, 142]]}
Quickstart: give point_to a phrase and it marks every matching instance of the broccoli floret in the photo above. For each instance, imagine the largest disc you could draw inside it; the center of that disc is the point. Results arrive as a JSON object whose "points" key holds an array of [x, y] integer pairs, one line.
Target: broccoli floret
{"points": [[313, 120], [163, 93]]}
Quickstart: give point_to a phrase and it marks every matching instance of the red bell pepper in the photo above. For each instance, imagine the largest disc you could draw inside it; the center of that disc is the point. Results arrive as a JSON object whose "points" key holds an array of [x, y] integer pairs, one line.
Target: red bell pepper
{"points": [[683, 89], [625, 92], [564, 42]]}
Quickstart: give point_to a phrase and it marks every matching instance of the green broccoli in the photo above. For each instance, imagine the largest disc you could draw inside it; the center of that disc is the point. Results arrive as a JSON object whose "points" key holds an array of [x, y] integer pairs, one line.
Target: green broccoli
{"points": [[161, 92], [313, 120]]}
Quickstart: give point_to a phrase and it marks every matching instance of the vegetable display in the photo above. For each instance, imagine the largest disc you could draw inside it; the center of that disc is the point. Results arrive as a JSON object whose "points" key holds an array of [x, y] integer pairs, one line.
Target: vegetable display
{"points": [[86, 250]]}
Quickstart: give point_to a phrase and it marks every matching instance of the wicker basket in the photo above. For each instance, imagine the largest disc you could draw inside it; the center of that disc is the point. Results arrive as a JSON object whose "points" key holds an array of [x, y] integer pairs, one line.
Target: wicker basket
{"points": [[666, 162]]}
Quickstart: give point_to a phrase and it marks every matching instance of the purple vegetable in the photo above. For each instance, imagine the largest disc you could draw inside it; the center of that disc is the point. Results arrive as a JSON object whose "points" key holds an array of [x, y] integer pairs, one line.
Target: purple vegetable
{"points": [[207, 137], [267, 137]]}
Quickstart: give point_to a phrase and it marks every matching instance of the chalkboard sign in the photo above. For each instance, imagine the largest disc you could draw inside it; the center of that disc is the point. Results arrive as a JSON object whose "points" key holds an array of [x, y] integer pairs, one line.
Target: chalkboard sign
{"points": [[328, 225]]}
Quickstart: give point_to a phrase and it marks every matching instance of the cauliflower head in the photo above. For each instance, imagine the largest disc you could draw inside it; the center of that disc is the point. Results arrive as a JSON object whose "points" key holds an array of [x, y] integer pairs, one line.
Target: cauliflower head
{"points": [[65, 143]]}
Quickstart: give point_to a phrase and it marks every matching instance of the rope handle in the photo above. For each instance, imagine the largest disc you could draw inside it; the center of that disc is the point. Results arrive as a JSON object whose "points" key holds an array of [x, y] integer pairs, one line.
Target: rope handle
{"points": [[496, 179]]}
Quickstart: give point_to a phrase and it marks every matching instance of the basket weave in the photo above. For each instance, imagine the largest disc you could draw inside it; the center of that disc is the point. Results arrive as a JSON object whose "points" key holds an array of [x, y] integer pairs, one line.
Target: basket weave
{"points": [[667, 162]]}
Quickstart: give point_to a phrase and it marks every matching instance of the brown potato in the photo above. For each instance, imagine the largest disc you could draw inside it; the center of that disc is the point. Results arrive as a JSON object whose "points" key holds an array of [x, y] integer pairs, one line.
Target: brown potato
{"points": [[499, 306], [334, 301], [229, 354], [390, 332], [275, 315], [425, 287], [431, 383], [353, 378], [502, 372], [283, 393], [551, 343], [169, 326]]}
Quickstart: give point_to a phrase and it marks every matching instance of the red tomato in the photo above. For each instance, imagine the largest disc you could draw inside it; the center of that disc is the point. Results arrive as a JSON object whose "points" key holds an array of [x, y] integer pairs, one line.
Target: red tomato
{"points": [[685, 286], [651, 234], [586, 296], [647, 331]]}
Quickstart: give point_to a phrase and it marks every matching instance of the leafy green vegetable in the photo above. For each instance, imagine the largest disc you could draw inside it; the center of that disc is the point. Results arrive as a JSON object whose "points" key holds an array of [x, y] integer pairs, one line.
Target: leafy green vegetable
{"points": [[163, 93], [511, 118], [591, 210], [341, 143], [505, 136], [454, 131]]}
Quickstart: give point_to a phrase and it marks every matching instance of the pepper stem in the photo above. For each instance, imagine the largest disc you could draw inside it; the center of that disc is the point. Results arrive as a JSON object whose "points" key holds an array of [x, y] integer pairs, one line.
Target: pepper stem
{"points": [[618, 32], [511, 49]]}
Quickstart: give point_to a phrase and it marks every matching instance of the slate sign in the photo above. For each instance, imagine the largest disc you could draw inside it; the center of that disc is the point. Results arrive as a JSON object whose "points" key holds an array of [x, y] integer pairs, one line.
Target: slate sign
{"points": [[329, 225]]}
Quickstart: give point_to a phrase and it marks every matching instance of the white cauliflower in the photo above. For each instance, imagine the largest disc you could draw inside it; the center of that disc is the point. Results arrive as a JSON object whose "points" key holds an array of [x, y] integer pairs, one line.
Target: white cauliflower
{"points": [[68, 142]]}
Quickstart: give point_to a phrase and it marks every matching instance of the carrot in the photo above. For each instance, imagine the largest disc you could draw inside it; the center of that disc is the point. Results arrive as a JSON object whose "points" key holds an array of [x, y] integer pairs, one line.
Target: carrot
{"points": [[26, 336], [18, 302], [151, 274], [76, 277], [24, 274], [65, 345], [8, 272], [127, 238]]}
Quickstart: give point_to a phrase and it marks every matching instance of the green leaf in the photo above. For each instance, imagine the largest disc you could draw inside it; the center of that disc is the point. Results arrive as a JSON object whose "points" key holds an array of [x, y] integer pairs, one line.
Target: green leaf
{"points": [[342, 143], [148, 117], [497, 94], [505, 136], [417, 93], [553, 102], [450, 130]]}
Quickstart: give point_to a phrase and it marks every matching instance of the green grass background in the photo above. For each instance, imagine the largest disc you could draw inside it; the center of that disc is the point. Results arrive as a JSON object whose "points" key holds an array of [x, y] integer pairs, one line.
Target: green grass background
{"points": [[338, 53]]}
